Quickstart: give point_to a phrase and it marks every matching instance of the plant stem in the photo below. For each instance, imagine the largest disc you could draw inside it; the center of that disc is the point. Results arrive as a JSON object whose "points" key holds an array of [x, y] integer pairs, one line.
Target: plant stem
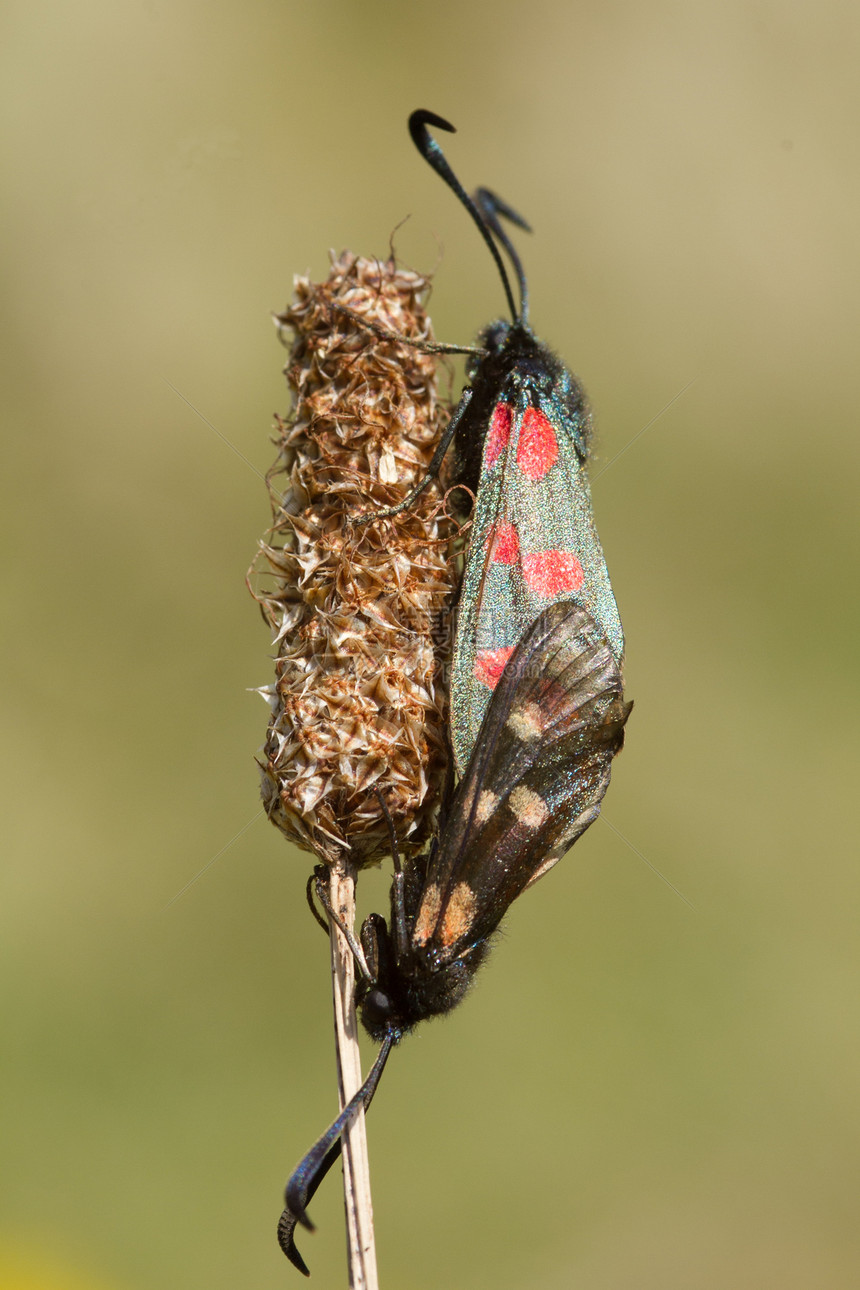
{"points": [[361, 1250]]}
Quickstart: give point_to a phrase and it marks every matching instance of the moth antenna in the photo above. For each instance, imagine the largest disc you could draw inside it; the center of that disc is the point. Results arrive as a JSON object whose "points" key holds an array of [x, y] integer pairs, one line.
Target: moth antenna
{"points": [[435, 157], [309, 1173], [491, 207], [401, 931]]}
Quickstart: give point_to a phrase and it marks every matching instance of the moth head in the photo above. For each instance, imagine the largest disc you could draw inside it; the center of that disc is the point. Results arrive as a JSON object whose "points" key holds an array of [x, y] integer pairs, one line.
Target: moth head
{"points": [[492, 341], [377, 1013]]}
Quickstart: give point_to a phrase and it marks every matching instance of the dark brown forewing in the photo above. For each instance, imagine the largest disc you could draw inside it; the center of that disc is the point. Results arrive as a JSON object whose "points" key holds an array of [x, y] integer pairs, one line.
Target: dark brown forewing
{"points": [[535, 782]]}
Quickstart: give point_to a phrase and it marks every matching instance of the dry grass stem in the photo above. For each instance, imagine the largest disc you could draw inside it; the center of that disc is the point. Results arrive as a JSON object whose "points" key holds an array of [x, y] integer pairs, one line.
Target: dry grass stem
{"points": [[359, 615], [356, 1168]]}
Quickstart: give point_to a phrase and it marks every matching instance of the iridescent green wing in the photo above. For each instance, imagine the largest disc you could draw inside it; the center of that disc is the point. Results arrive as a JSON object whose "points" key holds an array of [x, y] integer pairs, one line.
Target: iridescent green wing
{"points": [[533, 543]]}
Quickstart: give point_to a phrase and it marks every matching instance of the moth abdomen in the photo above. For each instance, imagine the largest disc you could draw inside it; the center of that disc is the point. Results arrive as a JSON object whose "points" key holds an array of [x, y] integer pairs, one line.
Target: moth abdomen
{"points": [[416, 992]]}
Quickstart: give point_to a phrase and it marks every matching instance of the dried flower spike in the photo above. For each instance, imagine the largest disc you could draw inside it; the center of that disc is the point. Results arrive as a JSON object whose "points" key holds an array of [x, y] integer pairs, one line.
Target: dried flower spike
{"points": [[359, 612]]}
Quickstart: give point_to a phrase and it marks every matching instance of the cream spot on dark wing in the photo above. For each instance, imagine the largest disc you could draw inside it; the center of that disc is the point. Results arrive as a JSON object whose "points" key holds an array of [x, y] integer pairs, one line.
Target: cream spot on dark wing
{"points": [[527, 722], [428, 914], [529, 807], [459, 913], [486, 804]]}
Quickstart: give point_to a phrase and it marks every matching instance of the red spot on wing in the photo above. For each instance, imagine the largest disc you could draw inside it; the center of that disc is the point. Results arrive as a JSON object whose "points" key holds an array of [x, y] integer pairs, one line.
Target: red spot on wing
{"points": [[490, 664], [537, 449], [549, 573], [499, 433], [503, 544]]}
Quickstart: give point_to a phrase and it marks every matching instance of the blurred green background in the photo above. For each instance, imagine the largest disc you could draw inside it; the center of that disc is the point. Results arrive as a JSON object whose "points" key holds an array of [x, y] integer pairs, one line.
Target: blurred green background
{"points": [[640, 1093]]}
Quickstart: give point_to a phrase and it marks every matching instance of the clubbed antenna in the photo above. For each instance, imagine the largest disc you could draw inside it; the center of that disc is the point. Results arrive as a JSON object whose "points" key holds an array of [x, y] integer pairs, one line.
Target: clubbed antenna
{"points": [[491, 207], [435, 157]]}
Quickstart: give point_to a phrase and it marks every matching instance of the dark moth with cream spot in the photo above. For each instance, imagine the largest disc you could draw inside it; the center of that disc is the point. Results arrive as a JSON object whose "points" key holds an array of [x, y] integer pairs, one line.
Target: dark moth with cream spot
{"points": [[535, 782]]}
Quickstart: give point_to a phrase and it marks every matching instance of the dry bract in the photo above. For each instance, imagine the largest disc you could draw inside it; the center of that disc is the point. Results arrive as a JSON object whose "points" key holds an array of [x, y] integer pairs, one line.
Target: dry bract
{"points": [[359, 613]]}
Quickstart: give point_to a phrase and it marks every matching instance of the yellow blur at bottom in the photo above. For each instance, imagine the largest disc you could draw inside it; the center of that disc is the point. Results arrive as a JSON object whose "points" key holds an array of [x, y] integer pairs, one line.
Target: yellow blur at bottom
{"points": [[23, 1269]]}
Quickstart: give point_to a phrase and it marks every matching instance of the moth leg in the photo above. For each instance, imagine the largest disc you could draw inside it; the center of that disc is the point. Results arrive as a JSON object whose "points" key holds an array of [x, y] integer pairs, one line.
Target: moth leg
{"points": [[432, 470], [398, 887], [313, 879], [388, 333], [374, 942], [349, 936]]}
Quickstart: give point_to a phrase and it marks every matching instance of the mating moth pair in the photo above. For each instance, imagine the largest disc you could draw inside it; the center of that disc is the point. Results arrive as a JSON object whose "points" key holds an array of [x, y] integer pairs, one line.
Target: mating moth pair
{"points": [[536, 702]]}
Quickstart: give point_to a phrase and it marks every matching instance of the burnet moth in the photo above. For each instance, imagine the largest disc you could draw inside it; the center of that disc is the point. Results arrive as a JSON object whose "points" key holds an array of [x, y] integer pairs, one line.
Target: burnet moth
{"points": [[535, 782], [521, 435]]}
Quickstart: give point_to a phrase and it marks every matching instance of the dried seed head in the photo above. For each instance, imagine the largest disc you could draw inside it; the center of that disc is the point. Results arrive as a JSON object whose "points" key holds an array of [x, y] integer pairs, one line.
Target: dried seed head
{"points": [[360, 613]]}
